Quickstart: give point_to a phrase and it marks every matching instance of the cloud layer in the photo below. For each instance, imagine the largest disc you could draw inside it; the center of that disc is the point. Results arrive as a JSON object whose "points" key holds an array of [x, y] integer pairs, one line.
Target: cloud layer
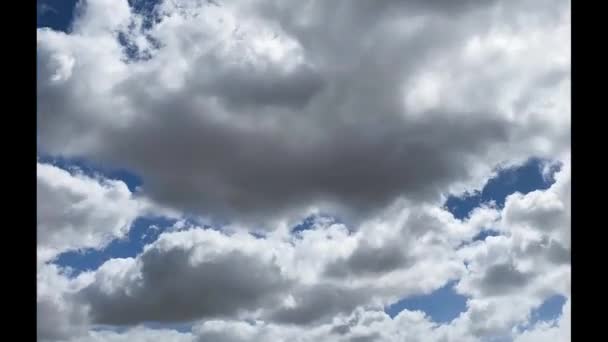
{"points": [[227, 281], [76, 211], [256, 114], [242, 111]]}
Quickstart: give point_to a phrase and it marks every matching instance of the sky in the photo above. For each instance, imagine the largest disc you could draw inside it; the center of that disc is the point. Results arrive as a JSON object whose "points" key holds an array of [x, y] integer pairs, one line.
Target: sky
{"points": [[257, 170]]}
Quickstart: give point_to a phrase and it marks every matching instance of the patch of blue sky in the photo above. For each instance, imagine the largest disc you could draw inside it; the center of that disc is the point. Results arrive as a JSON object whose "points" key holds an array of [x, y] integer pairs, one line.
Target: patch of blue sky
{"points": [[181, 327], [481, 236], [59, 14], [132, 180], [55, 14], [258, 235], [535, 174], [442, 305], [146, 8], [550, 310], [306, 224], [312, 220], [143, 231]]}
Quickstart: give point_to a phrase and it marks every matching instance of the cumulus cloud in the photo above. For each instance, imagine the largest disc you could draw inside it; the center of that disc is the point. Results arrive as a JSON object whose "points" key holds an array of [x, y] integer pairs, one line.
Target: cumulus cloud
{"points": [[527, 264], [172, 282], [282, 281], [76, 211], [140, 334], [258, 112], [58, 317], [254, 109], [197, 273]]}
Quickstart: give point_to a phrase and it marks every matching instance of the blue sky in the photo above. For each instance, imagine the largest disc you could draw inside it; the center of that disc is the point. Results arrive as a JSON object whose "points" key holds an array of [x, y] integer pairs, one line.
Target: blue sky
{"points": [[55, 14], [549, 310], [89, 168], [443, 305], [58, 14], [141, 234], [523, 179]]}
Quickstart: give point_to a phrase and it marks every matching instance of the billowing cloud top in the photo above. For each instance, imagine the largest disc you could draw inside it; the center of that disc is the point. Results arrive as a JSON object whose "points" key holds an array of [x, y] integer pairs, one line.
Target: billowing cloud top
{"points": [[257, 109], [257, 113]]}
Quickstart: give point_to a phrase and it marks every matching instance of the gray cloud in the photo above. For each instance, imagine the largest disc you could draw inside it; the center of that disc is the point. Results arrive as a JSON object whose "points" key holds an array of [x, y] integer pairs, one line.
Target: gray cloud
{"points": [[256, 139], [75, 211], [554, 251], [367, 260], [171, 288], [58, 321], [255, 110], [58, 316], [559, 254], [503, 278], [367, 338], [317, 303], [243, 86]]}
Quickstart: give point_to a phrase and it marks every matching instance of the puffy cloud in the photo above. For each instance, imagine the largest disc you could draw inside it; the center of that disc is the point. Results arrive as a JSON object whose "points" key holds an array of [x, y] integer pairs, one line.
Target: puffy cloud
{"points": [[58, 317], [292, 280], [319, 303], [185, 276], [254, 116], [303, 279], [75, 211], [258, 111], [367, 260], [139, 334], [509, 275], [362, 325]]}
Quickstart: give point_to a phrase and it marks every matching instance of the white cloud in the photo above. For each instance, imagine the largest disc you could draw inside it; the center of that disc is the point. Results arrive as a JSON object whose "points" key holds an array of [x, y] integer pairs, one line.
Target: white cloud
{"points": [[58, 317], [201, 274], [256, 112], [139, 334], [75, 211], [246, 113], [303, 278], [527, 264]]}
